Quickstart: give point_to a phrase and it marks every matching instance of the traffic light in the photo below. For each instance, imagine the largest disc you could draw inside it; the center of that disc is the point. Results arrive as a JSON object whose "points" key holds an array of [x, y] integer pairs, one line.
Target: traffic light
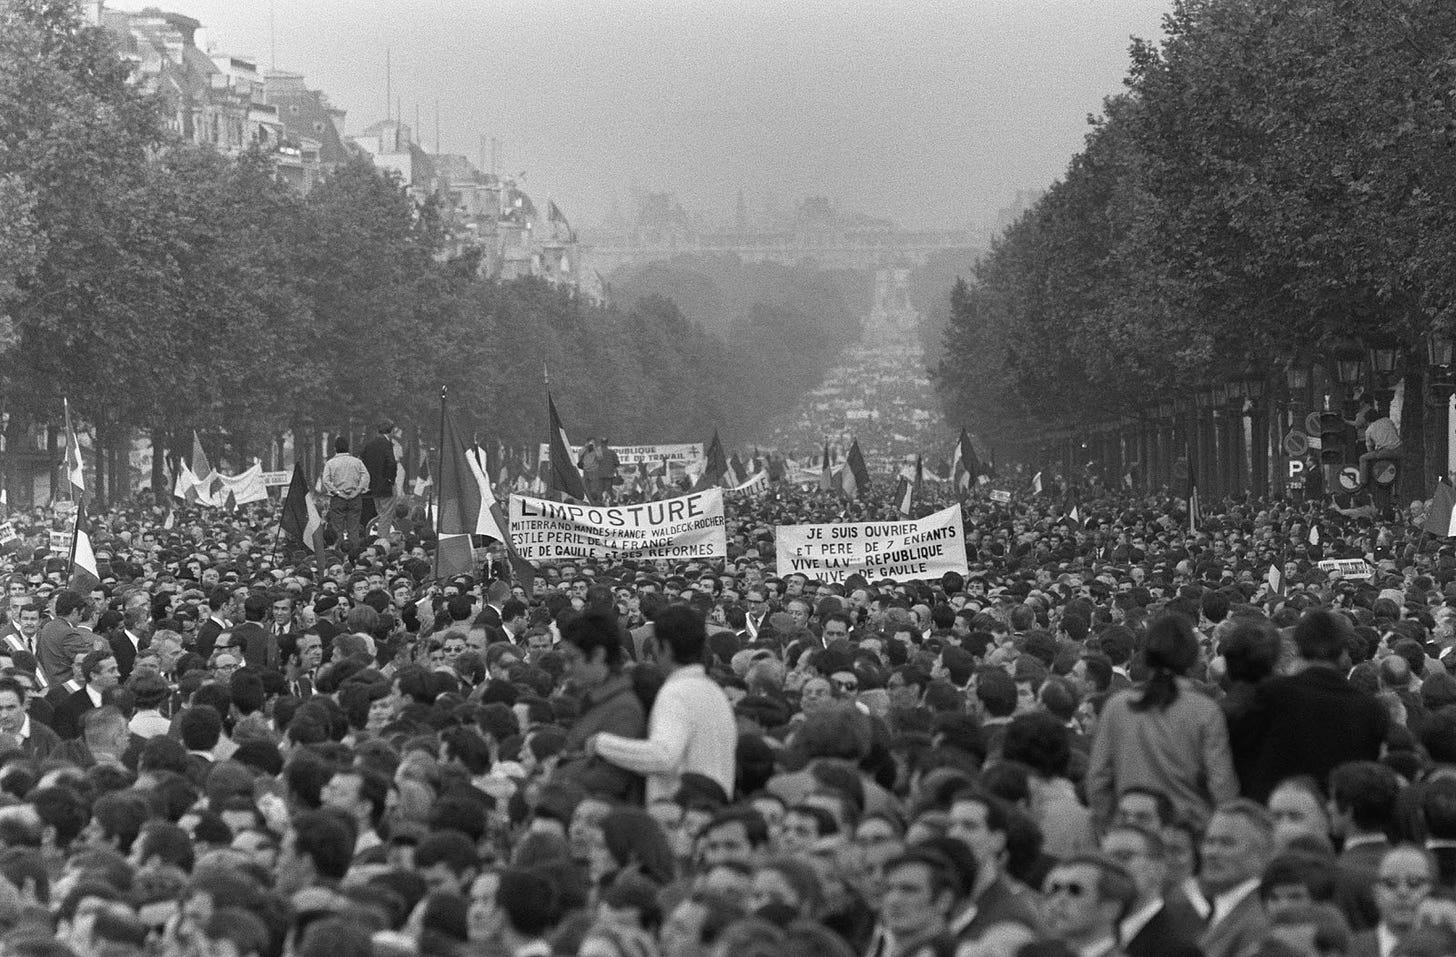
{"points": [[1332, 439]]}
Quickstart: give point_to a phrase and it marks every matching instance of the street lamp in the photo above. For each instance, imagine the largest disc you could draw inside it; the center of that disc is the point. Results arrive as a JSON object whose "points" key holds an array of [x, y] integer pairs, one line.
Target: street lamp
{"points": [[1349, 369], [1254, 383], [1296, 377], [1383, 357], [1440, 348]]}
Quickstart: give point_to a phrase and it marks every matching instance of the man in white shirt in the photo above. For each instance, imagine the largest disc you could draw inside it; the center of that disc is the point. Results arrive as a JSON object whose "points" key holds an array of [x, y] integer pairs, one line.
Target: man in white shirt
{"points": [[691, 729]]}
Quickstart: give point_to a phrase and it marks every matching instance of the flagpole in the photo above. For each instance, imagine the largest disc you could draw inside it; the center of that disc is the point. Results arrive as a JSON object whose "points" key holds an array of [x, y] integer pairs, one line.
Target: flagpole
{"points": [[436, 477], [75, 533]]}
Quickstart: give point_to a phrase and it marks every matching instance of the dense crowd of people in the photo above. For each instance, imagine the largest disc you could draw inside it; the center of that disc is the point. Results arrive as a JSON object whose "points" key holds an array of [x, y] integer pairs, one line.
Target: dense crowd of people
{"points": [[1111, 736]]}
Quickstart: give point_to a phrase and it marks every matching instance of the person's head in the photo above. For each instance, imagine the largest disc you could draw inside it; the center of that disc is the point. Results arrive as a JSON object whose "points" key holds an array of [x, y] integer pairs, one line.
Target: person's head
{"points": [[528, 902], [1236, 844], [234, 932], [317, 848], [1086, 895], [1298, 811], [592, 647], [735, 834], [981, 821], [1363, 795], [1146, 808], [920, 890], [99, 670], [1321, 635], [341, 443], [1039, 741], [12, 705], [1403, 882], [681, 633], [1315, 929], [1140, 852]]}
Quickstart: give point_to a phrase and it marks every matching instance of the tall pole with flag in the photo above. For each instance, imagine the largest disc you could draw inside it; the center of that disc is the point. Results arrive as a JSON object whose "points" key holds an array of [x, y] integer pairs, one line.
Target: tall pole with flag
{"points": [[75, 468], [437, 472]]}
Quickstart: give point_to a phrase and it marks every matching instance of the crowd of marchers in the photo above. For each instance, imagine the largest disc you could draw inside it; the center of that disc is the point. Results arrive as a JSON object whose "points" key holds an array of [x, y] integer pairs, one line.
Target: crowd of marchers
{"points": [[1111, 736]]}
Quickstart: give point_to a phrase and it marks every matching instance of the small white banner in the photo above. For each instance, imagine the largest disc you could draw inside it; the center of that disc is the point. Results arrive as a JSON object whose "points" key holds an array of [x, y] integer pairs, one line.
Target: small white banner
{"points": [[1354, 568], [924, 548]]}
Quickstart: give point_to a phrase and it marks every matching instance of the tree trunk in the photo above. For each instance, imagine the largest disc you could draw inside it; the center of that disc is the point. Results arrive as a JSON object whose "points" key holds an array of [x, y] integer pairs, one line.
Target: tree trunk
{"points": [[1417, 476]]}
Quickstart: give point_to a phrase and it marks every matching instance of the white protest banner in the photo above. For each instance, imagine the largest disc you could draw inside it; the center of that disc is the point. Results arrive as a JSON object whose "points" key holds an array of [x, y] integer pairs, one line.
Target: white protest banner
{"points": [[246, 487], [925, 548], [1000, 495], [61, 542], [687, 527], [651, 454], [1353, 568], [755, 485], [8, 534], [275, 479]]}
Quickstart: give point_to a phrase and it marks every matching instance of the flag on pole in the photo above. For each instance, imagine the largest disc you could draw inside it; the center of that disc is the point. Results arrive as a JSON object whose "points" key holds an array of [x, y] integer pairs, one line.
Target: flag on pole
{"points": [[84, 573], [195, 481], [1074, 517], [856, 475], [564, 478], [301, 520], [75, 470], [965, 468], [1036, 484], [1440, 521], [1195, 516], [826, 476], [1314, 535], [737, 471], [715, 466], [468, 506]]}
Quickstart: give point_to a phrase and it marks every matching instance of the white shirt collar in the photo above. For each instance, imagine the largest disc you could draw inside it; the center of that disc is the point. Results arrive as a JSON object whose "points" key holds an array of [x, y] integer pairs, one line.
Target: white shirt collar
{"points": [[1101, 948], [136, 641], [1385, 940], [1133, 923], [25, 728], [1231, 898], [94, 695], [1356, 840]]}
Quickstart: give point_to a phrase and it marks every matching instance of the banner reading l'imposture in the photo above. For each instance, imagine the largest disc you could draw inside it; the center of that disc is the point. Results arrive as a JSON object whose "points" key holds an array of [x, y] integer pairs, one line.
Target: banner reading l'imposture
{"points": [[924, 548], [684, 528]]}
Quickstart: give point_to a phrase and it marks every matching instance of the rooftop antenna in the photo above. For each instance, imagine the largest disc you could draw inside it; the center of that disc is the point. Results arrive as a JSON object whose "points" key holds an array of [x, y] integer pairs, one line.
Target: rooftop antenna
{"points": [[388, 85], [416, 130]]}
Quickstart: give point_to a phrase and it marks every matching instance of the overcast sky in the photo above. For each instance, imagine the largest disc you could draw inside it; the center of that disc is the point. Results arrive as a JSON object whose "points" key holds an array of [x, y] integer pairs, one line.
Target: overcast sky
{"points": [[932, 113]]}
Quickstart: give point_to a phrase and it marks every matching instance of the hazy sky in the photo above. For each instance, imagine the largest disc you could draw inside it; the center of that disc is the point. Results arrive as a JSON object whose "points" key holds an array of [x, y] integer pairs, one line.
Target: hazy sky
{"points": [[929, 112]]}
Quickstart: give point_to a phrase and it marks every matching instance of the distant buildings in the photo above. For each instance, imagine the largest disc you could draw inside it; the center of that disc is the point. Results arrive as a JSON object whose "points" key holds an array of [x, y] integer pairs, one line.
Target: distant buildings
{"points": [[225, 102]]}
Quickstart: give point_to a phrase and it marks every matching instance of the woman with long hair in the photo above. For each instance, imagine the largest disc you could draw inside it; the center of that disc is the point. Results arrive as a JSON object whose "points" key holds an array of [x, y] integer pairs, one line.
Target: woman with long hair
{"points": [[1166, 736]]}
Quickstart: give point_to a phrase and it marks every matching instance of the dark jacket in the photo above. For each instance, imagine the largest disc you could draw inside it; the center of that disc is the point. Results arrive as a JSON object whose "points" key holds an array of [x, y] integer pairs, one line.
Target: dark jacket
{"points": [[124, 652], [613, 707], [1308, 723], [67, 719], [378, 458], [260, 646], [1173, 932]]}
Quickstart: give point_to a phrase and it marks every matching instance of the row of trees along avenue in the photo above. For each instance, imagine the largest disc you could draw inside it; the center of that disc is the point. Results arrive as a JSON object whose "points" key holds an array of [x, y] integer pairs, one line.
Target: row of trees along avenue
{"points": [[1272, 198], [163, 288]]}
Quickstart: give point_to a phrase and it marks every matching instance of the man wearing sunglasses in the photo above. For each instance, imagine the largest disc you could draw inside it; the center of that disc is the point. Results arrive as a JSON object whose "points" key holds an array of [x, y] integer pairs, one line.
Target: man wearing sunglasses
{"points": [[1086, 895]]}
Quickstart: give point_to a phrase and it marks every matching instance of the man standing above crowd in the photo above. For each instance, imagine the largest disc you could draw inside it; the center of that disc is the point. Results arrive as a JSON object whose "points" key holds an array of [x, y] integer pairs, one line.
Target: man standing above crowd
{"points": [[379, 459], [61, 639], [345, 480]]}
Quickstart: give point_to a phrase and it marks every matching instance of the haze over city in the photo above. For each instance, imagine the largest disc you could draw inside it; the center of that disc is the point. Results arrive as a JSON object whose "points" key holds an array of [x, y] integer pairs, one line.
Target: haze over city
{"points": [[929, 114]]}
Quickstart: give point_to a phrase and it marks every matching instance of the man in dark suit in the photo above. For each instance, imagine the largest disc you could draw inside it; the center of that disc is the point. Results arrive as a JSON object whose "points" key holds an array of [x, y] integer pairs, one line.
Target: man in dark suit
{"points": [[1154, 925], [217, 622], [379, 460], [1311, 722], [99, 671], [17, 727], [130, 638], [1438, 810], [260, 646], [982, 822], [1236, 847]]}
